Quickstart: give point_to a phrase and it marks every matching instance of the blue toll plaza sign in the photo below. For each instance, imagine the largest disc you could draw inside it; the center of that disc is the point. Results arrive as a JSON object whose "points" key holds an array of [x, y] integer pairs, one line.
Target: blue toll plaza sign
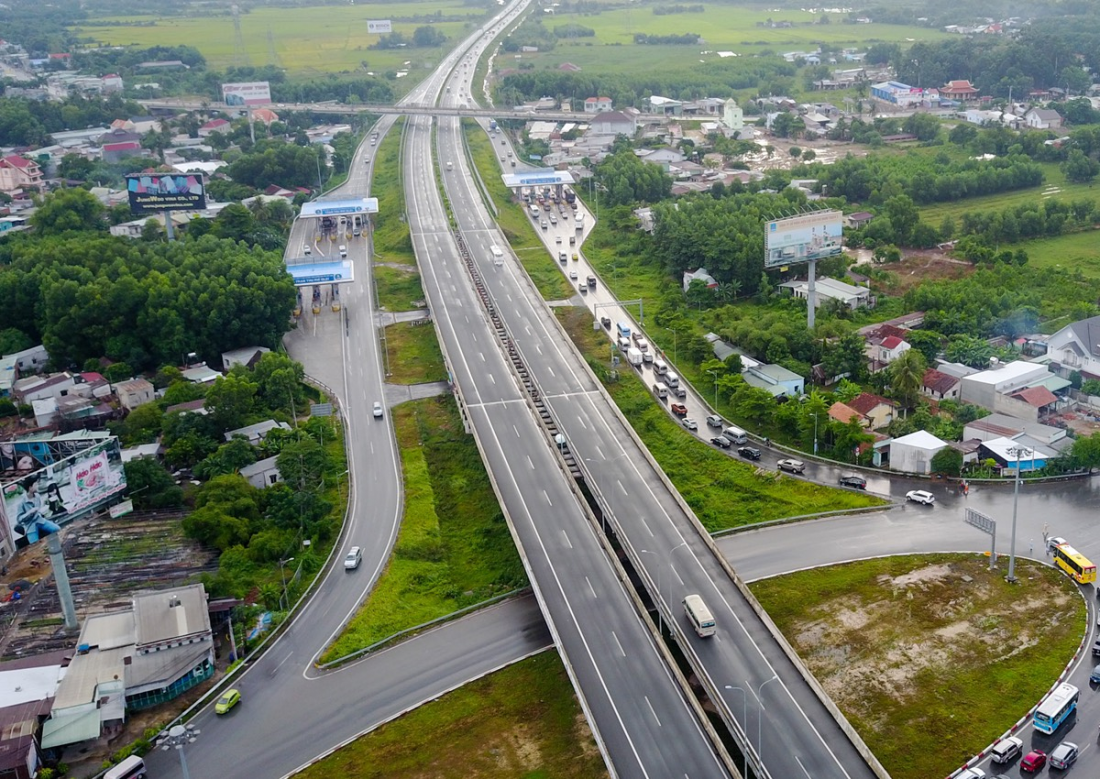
{"points": [[308, 274], [542, 178], [321, 208]]}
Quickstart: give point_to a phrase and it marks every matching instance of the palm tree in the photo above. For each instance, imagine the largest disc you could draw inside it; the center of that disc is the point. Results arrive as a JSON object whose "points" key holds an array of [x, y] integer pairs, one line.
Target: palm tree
{"points": [[728, 292], [907, 377]]}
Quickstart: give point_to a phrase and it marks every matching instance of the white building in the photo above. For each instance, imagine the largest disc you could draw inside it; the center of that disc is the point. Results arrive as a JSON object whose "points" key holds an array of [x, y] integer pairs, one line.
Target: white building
{"points": [[262, 474], [913, 453], [1019, 389], [829, 289], [1076, 347], [733, 118], [1043, 119], [134, 393]]}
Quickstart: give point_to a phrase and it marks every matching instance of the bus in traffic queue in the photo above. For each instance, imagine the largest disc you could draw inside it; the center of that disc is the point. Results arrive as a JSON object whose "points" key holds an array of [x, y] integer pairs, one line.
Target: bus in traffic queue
{"points": [[1056, 708], [1076, 565]]}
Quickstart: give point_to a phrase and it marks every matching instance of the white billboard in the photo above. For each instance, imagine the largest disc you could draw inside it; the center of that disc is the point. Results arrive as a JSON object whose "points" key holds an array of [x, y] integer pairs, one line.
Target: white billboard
{"points": [[247, 93], [803, 238], [380, 27]]}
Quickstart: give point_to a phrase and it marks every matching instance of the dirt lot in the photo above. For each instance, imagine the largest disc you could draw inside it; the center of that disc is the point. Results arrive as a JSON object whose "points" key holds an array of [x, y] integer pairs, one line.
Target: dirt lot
{"points": [[918, 266], [905, 645]]}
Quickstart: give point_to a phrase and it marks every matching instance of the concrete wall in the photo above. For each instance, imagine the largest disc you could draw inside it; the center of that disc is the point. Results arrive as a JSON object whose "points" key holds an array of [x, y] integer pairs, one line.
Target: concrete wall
{"points": [[1015, 408]]}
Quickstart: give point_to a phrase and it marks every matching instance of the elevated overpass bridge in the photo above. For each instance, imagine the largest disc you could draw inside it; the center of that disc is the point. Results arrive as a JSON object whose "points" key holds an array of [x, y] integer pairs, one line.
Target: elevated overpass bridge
{"points": [[175, 105]]}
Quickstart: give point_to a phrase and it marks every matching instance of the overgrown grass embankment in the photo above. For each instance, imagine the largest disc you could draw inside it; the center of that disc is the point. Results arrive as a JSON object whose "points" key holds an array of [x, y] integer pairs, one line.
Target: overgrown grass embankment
{"points": [[396, 275], [522, 721], [722, 491], [413, 354], [931, 658], [454, 549], [513, 221]]}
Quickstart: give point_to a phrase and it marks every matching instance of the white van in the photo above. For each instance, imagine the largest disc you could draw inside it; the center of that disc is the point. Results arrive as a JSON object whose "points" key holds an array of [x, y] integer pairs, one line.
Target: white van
{"points": [[498, 255], [660, 367], [736, 435], [132, 767], [671, 379], [343, 251], [699, 616], [534, 210], [624, 344]]}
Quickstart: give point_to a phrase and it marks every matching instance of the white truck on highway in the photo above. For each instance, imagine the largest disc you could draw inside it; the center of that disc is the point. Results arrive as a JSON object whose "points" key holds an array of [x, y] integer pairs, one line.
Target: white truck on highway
{"points": [[634, 357]]}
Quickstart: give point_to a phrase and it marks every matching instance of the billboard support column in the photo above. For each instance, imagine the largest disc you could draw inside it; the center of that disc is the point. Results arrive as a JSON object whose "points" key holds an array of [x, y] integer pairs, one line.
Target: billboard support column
{"points": [[61, 579], [811, 294], [169, 228]]}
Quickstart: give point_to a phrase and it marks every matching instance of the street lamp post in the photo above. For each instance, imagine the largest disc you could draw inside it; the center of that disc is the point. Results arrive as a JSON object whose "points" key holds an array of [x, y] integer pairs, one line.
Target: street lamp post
{"points": [[176, 738], [760, 718], [744, 718], [814, 415], [715, 375], [282, 572], [657, 600], [1017, 451]]}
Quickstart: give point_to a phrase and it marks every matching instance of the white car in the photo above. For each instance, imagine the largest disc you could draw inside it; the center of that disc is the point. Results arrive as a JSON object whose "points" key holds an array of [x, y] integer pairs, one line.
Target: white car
{"points": [[921, 496], [573, 275], [353, 558], [1054, 541], [690, 424], [971, 773], [1006, 750], [377, 409]]}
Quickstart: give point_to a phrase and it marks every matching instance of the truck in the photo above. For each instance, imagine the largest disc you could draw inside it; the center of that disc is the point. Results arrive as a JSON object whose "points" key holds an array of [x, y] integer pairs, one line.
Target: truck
{"points": [[570, 195], [634, 357], [492, 125]]}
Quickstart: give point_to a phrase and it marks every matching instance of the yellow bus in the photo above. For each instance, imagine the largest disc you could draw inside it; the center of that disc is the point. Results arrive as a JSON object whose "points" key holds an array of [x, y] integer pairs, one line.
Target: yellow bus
{"points": [[1076, 565]]}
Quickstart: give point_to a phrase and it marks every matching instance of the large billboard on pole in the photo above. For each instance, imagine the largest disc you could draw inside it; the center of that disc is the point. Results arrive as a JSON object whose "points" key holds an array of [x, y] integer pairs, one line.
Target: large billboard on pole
{"points": [[247, 93], [166, 192], [37, 503], [379, 27], [803, 238]]}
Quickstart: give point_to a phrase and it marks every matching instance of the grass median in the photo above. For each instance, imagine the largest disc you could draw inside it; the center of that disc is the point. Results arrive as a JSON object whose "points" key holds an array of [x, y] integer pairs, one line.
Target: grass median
{"points": [[513, 221], [413, 353], [454, 549], [522, 721], [723, 492], [930, 657]]}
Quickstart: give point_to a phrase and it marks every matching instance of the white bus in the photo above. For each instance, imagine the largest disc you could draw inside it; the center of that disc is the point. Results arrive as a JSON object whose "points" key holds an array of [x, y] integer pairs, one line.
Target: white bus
{"points": [[1056, 708], [699, 615], [132, 767]]}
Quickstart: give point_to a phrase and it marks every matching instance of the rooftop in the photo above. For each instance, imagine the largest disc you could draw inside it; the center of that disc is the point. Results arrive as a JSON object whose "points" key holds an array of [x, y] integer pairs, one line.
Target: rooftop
{"points": [[921, 439]]}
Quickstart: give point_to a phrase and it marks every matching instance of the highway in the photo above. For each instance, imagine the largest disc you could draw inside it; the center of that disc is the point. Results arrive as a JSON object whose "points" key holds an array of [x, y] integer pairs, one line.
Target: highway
{"points": [[756, 683], [290, 712], [643, 722]]}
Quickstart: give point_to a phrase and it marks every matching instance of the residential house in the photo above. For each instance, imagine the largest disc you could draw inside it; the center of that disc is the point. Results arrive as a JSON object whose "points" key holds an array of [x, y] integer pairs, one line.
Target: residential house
{"points": [[117, 152], [858, 219], [664, 105], [1076, 347], [255, 434], [1004, 426], [958, 90], [1043, 119], [34, 388], [913, 453], [27, 689], [888, 350], [90, 385], [152, 451], [200, 374], [190, 407], [1001, 389], [117, 135], [878, 411], [1013, 453], [844, 414], [18, 173], [265, 116], [45, 411], [613, 123], [262, 474], [733, 117], [662, 157], [214, 126], [134, 393], [700, 274], [939, 385], [830, 289], [776, 379], [598, 105], [247, 356], [112, 82]]}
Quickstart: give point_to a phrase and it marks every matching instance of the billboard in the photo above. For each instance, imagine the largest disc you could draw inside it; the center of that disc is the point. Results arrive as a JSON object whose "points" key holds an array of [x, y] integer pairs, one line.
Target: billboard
{"points": [[803, 238], [38, 503], [166, 192], [247, 93], [379, 27]]}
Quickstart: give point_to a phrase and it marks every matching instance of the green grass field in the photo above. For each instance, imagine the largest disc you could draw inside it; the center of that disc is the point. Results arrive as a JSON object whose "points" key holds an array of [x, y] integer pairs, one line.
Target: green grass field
{"points": [[1073, 251], [929, 657], [413, 354], [454, 549], [309, 41], [522, 722], [722, 491]]}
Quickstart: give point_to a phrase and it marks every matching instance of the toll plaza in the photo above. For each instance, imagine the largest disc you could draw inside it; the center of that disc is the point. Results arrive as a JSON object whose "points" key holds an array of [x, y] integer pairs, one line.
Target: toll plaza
{"points": [[316, 274], [340, 218], [540, 181]]}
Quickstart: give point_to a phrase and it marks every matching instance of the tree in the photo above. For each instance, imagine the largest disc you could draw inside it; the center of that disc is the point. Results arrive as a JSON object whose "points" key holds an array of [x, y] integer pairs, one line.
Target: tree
{"points": [[904, 217], [13, 340], [907, 377], [925, 126], [1086, 452], [150, 484], [234, 222], [845, 358], [302, 464], [795, 151], [68, 209], [229, 458], [926, 342], [969, 350], [229, 400], [1079, 168], [948, 461], [426, 37], [142, 425]]}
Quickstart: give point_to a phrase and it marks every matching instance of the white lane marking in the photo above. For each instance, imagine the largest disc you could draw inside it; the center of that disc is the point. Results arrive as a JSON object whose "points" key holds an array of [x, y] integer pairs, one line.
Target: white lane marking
{"points": [[618, 643], [530, 463], [548, 502], [565, 535], [591, 588], [621, 487], [652, 711], [646, 526]]}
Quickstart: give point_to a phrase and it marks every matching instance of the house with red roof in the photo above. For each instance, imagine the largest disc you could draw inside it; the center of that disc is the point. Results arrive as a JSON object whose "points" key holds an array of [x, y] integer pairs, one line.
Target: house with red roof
{"points": [[939, 385], [218, 125], [959, 90], [876, 410], [598, 105], [843, 413], [18, 173]]}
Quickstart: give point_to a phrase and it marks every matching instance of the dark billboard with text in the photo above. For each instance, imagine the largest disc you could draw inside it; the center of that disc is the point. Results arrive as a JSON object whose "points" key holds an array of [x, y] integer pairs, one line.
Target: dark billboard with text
{"points": [[166, 192]]}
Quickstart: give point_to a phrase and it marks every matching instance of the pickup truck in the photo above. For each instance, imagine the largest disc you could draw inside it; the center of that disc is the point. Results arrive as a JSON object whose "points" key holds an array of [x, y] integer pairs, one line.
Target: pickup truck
{"points": [[679, 409]]}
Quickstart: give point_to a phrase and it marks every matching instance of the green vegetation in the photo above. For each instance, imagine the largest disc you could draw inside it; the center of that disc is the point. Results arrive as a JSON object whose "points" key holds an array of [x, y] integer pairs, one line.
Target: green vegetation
{"points": [[1073, 252], [722, 492], [398, 288], [391, 232], [308, 41], [513, 221], [905, 645], [523, 721], [454, 549], [413, 354]]}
